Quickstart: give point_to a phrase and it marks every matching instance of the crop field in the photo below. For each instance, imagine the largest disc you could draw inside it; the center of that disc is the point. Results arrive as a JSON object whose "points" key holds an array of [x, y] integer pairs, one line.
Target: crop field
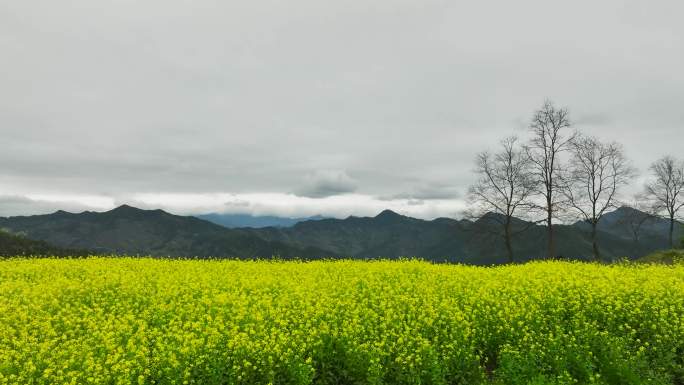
{"points": [[148, 321]]}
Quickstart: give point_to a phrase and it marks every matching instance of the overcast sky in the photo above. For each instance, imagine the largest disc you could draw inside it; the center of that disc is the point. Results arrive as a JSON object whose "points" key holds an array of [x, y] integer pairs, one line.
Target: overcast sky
{"points": [[303, 107]]}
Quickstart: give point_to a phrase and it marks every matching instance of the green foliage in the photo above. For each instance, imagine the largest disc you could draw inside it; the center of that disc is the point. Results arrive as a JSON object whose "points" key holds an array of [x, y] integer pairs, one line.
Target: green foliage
{"points": [[666, 256], [12, 245], [147, 321]]}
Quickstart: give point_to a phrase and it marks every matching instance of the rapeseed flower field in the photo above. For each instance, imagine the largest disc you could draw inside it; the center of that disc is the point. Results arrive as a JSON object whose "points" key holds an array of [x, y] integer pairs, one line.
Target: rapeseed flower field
{"points": [[151, 321]]}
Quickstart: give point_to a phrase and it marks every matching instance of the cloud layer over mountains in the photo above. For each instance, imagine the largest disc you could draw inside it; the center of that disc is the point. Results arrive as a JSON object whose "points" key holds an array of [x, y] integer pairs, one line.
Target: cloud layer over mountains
{"points": [[341, 107]]}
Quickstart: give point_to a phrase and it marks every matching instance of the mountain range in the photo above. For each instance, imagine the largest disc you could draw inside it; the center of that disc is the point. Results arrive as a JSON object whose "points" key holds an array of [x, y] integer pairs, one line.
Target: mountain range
{"points": [[132, 231], [13, 245], [243, 220]]}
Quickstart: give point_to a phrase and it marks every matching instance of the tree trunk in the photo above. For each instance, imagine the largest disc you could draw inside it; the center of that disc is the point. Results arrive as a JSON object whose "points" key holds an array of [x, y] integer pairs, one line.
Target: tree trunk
{"points": [[594, 242], [507, 235], [549, 223], [672, 222]]}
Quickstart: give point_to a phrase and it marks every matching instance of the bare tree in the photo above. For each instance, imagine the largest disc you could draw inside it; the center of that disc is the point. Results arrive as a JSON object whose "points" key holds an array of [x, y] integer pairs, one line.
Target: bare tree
{"points": [[596, 172], [504, 187], [666, 189], [639, 215], [549, 140]]}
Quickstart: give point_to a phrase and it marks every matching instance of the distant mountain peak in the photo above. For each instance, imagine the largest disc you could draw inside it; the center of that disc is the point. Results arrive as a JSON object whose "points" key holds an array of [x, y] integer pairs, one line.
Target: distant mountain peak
{"points": [[626, 209], [389, 215], [130, 211], [124, 207], [622, 214], [490, 216]]}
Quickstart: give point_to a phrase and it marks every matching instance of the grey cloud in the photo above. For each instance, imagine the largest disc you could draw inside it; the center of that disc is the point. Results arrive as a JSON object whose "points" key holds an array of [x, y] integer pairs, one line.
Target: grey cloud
{"points": [[321, 184], [596, 118], [14, 205], [243, 97], [237, 203], [428, 191]]}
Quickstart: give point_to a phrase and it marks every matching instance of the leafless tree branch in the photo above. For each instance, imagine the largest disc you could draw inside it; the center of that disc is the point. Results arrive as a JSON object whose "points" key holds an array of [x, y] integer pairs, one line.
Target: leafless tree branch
{"points": [[504, 187], [597, 171], [665, 190], [549, 139]]}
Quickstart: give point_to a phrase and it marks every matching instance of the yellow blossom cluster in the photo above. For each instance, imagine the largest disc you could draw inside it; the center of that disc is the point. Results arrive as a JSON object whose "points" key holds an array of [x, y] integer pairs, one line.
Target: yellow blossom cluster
{"points": [[151, 321]]}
